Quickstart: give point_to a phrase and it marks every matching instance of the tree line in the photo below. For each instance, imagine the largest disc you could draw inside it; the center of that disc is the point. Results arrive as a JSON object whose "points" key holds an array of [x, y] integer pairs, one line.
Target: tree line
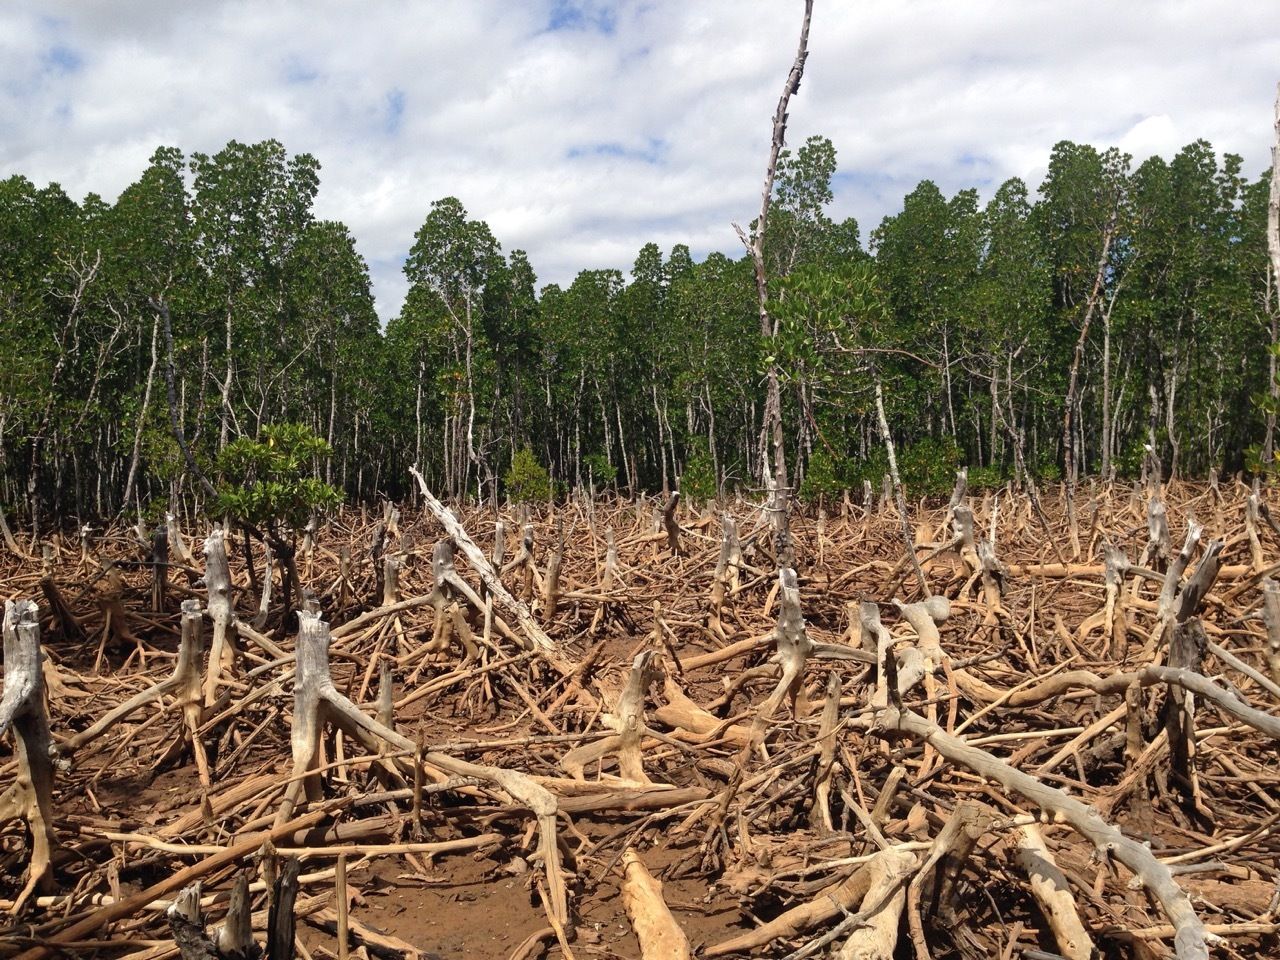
{"points": [[1113, 309]]}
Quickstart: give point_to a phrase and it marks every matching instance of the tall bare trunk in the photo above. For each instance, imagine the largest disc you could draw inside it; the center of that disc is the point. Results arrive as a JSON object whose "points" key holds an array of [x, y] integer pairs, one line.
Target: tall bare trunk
{"points": [[1073, 382], [1273, 247], [1106, 395], [142, 419], [768, 328]]}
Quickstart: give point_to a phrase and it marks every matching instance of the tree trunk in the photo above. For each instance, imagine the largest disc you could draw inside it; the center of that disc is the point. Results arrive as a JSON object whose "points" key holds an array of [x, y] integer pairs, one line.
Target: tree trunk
{"points": [[142, 419], [907, 538], [768, 328], [1068, 456], [1106, 395], [30, 797], [1273, 247]]}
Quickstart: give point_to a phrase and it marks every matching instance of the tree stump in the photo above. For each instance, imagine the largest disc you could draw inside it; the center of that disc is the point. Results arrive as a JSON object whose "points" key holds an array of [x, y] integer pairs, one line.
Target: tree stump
{"points": [[30, 798]]}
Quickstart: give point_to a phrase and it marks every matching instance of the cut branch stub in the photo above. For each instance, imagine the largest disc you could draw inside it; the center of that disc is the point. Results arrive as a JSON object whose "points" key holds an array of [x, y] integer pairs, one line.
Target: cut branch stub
{"points": [[1158, 547], [628, 720], [1187, 648], [671, 524], [962, 539], [159, 567], [727, 577], [660, 936], [993, 574], [30, 798], [222, 647], [1052, 892], [264, 602], [1271, 617]]}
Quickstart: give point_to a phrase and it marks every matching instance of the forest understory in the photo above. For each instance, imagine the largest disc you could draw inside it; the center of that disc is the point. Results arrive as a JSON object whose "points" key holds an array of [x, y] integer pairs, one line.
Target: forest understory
{"points": [[631, 730]]}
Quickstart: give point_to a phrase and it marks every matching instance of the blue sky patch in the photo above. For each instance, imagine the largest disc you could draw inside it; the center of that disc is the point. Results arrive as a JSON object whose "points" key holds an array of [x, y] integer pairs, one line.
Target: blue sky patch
{"points": [[582, 15], [651, 152], [297, 71], [394, 118], [62, 59]]}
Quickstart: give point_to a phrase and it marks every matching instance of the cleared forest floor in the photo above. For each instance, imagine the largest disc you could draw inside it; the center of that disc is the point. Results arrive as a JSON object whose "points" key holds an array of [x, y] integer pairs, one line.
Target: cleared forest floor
{"points": [[853, 809]]}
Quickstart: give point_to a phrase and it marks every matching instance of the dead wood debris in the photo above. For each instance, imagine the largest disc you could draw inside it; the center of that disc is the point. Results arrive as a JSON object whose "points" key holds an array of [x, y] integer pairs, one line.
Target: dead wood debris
{"points": [[1027, 756]]}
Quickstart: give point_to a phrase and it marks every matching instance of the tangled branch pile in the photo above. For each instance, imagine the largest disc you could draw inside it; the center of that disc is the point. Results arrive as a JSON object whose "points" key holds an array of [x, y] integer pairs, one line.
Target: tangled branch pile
{"points": [[606, 729]]}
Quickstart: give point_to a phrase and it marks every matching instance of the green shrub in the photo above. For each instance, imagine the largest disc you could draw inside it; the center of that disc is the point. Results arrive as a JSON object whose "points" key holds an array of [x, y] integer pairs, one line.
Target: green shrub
{"points": [[527, 480], [872, 468], [927, 468], [1253, 462], [699, 478], [267, 482], [821, 479], [986, 478], [1048, 471], [601, 471], [1129, 462]]}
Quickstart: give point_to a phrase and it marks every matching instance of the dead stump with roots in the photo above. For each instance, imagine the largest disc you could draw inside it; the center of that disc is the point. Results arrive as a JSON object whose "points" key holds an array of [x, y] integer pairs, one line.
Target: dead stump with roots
{"points": [[22, 709]]}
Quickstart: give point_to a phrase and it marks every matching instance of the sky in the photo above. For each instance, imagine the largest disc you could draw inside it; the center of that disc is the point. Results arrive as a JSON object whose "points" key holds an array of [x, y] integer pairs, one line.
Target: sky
{"points": [[580, 130]]}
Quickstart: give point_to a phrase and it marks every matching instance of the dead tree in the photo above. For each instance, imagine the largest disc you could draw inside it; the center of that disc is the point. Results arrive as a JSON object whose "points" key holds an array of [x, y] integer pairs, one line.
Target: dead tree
{"points": [[159, 567], [1273, 248], [450, 625], [7, 534], [727, 577], [908, 539], [231, 940], [610, 581], [551, 583], [177, 542], [1187, 649], [317, 704], [22, 707], [627, 718], [222, 647], [1111, 617], [670, 523], [792, 650], [1157, 551], [183, 685], [963, 539], [772, 429]]}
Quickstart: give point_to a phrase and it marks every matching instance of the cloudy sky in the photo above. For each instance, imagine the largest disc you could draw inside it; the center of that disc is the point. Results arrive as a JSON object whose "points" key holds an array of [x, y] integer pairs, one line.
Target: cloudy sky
{"points": [[581, 130]]}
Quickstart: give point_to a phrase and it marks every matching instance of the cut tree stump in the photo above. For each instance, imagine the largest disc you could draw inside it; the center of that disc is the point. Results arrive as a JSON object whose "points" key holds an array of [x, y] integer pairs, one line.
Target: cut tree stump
{"points": [[222, 648], [22, 708]]}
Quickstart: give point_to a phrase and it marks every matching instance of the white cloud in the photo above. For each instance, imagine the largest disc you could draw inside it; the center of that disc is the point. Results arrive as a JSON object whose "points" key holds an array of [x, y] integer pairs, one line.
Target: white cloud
{"points": [[581, 144]]}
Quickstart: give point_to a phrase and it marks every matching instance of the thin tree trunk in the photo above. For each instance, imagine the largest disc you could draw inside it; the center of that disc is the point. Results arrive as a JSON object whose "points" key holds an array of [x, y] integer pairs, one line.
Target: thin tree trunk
{"points": [[142, 419], [907, 539], [1106, 395], [1073, 382], [1273, 247], [768, 328]]}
